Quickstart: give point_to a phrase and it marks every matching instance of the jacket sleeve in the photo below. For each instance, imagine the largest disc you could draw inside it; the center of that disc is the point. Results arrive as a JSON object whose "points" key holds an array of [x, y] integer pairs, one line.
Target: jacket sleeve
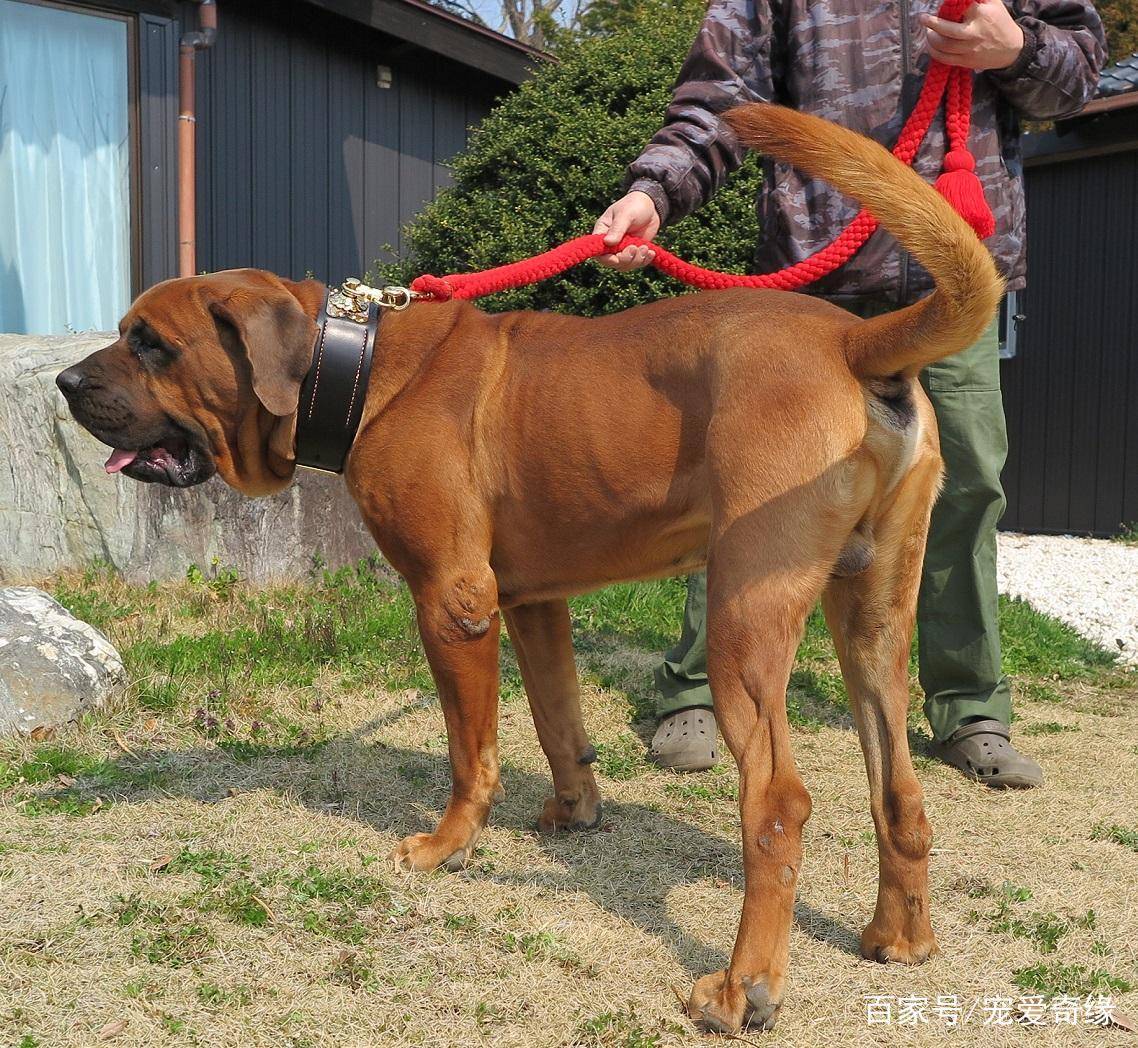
{"points": [[1057, 71], [734, 59]]}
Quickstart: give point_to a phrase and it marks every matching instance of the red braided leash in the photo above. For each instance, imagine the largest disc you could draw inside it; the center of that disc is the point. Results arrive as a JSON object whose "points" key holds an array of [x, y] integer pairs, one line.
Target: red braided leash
{"points": [[958, 184]]}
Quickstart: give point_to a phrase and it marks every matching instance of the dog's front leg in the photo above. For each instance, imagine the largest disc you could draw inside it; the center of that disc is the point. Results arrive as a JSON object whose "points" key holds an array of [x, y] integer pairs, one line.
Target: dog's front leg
{"points": [[459, 624]]}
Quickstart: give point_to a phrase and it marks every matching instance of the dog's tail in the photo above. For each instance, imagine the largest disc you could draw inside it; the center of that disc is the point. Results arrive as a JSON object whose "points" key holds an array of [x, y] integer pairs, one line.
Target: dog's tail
{"points": [[968, 288]]}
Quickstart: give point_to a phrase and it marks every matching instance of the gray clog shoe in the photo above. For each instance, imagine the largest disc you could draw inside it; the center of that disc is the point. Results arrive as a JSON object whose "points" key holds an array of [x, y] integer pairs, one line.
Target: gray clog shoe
{"points": [[685, 741], [983, 751]]}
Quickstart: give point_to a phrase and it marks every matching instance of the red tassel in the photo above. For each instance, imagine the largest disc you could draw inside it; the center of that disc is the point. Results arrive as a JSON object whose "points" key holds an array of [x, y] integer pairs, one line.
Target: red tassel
{"points": [[960, 186]]}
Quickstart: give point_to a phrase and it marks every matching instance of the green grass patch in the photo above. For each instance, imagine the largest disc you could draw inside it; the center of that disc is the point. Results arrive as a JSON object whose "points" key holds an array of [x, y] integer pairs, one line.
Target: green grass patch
{"points": [[133, 909], [460, 922], [714, 786], [211, 865], [539, 945], [1116, 834], [1048, 728], [1036, 645], [66, 803], [615, 1030], [208, 648], [357, 890], [239, 901], [175, 946], [68, 766], [1043, 929], [246, 750], [214, 996], [330, 901], [99, 596], [623, 758], [47, 763], [645, 615], [1127, 534], [357, 622], [322, 902], [1075, 980]]}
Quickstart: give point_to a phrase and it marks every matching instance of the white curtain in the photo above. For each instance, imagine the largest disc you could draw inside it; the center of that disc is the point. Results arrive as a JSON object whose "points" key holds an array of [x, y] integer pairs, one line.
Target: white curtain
{"points": [[64, 170]]}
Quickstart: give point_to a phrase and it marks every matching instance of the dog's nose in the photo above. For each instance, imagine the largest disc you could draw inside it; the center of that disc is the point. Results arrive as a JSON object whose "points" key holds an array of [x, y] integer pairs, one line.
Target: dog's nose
{"points": [[71, 381]]}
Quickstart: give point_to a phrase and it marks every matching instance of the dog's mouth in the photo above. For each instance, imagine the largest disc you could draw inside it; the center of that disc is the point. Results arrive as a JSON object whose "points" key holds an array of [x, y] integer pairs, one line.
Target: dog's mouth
{"points": [[176, 460]]}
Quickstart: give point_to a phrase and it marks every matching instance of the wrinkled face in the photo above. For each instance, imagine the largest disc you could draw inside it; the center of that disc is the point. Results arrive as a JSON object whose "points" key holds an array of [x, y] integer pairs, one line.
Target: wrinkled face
{"points": [[204, 378]]}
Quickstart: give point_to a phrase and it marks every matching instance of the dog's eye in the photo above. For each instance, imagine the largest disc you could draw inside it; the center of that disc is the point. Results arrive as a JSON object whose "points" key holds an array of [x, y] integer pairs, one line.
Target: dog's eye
{"points": [[149, 349]]}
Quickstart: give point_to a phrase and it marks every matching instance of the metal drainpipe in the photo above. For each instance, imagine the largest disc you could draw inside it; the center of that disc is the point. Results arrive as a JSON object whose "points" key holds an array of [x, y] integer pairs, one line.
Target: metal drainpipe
{"points": [[188, 48]]}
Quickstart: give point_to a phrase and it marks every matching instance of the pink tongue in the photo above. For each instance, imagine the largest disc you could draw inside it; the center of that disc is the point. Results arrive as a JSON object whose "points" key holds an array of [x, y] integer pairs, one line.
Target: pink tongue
{"points": [[119, 459]]}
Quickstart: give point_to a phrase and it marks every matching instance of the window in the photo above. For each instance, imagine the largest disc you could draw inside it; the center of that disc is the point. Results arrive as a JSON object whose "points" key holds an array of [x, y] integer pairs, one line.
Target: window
{"points": [[65, 168]]}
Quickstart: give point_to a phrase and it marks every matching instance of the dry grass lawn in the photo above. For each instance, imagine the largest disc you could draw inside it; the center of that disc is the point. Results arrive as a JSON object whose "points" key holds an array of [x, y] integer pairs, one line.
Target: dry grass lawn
{"points": [[206, 863]]}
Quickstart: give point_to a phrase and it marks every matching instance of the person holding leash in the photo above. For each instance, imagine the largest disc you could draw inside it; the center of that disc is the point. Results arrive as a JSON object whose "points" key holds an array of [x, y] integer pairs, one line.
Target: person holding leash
{"points": [[862, 65]]}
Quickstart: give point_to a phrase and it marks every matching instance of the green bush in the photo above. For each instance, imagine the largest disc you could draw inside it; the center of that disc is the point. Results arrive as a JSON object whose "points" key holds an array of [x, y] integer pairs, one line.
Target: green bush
{"points": [[552, 155]]}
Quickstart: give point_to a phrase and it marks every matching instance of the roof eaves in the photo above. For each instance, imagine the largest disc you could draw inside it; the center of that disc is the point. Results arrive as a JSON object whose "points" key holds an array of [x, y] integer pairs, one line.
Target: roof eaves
{"points": [[425, 25]]}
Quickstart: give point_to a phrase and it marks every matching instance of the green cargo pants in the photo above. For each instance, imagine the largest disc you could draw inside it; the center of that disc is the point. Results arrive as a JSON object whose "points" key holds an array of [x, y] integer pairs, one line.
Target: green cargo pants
{"points": [[957, 613]]}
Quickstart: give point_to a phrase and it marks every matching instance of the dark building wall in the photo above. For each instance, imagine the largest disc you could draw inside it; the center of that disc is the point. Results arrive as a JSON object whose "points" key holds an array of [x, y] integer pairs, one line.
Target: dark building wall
{"points": [[1071, 393], [305, 164], [157, 200]]}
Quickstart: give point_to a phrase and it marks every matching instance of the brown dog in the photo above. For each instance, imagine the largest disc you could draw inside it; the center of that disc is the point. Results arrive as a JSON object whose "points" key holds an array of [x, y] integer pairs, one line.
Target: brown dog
{"points": [[506, 462]]}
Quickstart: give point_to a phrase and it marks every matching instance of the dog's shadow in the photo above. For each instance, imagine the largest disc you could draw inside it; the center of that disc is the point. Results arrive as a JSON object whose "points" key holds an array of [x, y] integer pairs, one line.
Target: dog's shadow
{"points": [[629, 866]]}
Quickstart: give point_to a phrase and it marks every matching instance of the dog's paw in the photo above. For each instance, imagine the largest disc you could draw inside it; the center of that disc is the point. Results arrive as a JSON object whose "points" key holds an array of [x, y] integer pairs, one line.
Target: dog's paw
{"points": [[571, 811], [429, 851], [885, 947], [721, 1004]]}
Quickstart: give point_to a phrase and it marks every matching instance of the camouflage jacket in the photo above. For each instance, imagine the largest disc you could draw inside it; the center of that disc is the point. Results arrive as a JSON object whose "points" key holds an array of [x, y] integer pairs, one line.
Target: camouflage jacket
{"points": [[860, 63]]}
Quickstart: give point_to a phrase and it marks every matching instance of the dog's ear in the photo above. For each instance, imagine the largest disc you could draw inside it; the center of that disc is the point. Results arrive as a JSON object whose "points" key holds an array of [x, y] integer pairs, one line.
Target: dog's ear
{"points": [[276, 332]]}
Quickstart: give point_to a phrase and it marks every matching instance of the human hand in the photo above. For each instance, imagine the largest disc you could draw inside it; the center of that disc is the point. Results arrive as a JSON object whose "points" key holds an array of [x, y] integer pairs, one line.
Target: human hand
{"points": [[633, 214], [988, 38]]}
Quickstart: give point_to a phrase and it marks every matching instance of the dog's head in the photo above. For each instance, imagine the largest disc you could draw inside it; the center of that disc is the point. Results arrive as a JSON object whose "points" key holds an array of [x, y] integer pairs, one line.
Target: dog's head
{"points": [[204, 378]]}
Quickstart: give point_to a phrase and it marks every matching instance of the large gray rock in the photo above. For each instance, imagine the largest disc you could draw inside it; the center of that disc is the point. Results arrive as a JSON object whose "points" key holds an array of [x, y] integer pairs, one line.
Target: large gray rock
{"points": [[53, 666], [58, 509]]}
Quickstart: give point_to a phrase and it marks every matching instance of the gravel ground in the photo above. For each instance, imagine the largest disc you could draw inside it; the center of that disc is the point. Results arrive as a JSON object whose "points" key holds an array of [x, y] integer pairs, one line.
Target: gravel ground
{"points": [[1091, 584]]}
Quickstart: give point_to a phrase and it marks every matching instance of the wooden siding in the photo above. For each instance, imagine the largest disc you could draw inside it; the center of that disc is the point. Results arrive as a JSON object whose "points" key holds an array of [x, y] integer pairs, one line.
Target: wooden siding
{"points": [[305, 165], [1071, 394]]}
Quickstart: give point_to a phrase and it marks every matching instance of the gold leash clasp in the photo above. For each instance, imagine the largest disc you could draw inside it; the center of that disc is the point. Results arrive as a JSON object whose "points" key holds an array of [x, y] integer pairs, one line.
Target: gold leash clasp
{"points": [[390, 297]]}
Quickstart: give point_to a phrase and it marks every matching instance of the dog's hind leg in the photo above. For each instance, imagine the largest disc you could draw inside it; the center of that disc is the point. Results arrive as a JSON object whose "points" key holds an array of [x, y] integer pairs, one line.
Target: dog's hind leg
{"points": [[871, 617], [763, 578], [459, 625], [542, 637]]}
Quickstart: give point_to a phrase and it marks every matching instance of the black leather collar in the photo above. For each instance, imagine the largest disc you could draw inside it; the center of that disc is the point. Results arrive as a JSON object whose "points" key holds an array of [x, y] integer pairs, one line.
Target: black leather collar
{"points": [[333, 392]]}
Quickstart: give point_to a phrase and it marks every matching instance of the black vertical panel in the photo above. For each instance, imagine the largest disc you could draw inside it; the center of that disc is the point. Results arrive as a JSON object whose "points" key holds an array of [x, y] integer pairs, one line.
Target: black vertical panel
{"points": [[1071, 393], [271, 169], [345, 167], [416, 141], [1011, 382], [1123, 338], [236, 184], [1062, 332], [1085, 354], [1115, 403], [158, 160], [306, 164], [225, 145], [205, 160], [308, 158], [382, 216], [449, 104], [1031, 369]]}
